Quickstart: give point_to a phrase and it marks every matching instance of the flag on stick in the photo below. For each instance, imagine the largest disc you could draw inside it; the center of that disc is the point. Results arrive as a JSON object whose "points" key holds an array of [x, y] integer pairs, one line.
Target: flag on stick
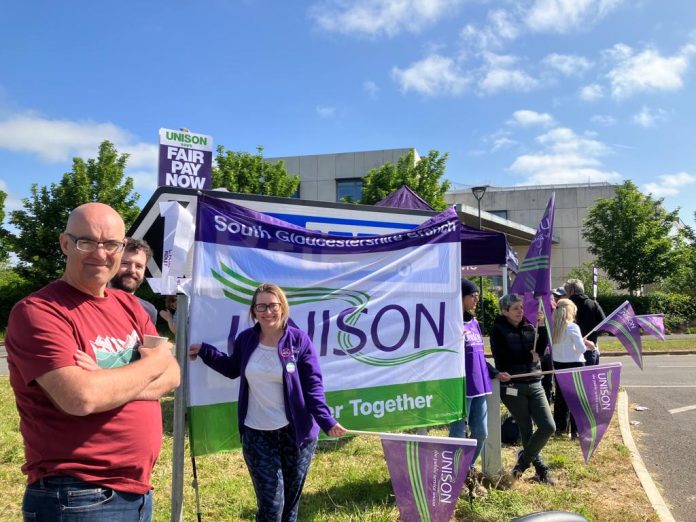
{"points": [[622, 324], [427, 474], [534, 277], [591, 394], [594, 281], [654, 324]]}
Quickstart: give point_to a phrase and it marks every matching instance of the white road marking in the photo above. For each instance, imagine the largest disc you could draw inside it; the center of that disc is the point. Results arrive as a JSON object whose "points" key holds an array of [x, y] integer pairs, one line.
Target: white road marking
{"points": [[685, 366], [682, 409]]}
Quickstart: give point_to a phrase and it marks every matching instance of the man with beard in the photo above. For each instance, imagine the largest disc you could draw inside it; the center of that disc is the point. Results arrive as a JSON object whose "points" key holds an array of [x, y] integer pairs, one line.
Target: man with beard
{"points": [[131, 273]]}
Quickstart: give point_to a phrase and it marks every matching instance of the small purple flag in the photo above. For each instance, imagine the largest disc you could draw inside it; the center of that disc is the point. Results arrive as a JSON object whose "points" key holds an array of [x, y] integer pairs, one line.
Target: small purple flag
{"points": [[622, 324], [427, 474], [591, 393], [654, 324], [535, 271]]}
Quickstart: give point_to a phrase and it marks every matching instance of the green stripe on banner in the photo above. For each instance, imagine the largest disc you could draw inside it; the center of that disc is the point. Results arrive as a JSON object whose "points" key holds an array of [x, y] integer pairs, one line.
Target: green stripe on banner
{"points": [[395, 407]]}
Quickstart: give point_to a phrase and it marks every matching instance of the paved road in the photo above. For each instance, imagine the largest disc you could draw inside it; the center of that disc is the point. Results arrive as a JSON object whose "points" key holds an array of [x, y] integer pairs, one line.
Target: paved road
{"points": [[667, 430]]}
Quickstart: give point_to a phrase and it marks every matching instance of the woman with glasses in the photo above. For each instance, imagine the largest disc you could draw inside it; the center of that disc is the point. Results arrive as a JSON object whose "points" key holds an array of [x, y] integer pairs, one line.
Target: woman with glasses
{"points": [[281, 402], [516, 352]]}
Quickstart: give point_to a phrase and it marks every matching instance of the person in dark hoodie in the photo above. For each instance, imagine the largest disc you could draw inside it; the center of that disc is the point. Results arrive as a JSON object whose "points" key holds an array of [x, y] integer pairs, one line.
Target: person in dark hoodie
{"points": [[515, 352], [281, 402], [478, 382], [590, 314]]}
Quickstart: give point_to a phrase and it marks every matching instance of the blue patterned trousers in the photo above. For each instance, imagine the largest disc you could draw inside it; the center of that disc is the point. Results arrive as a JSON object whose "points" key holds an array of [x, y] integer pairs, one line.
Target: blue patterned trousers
{"points": [[278, 470]]}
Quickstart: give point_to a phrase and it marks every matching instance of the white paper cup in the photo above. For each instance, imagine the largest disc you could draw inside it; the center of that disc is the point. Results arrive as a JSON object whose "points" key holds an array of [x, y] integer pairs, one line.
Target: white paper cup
{"points": [[150, 341]]}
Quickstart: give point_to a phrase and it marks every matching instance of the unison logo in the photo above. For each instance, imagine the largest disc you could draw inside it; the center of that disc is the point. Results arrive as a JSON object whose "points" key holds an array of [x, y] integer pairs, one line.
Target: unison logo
{"points": [[357, 325]]}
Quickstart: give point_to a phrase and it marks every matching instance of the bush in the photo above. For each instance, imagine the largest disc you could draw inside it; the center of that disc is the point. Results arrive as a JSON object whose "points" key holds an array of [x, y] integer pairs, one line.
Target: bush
{"points": [[679, 309], [12, 288]]}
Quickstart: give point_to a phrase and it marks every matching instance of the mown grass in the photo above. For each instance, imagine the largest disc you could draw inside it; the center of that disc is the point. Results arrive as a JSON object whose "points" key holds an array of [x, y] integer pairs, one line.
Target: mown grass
{"points": [[348, 481]]}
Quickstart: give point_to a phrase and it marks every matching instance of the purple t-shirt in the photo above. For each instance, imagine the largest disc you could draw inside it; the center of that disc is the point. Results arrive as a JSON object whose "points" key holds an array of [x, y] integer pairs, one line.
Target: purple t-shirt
{"points": [[477, 381]]}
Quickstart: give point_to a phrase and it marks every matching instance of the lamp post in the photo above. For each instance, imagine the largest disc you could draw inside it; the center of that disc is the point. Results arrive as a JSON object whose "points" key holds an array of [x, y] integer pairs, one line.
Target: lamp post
{"points": [[478, 193]]}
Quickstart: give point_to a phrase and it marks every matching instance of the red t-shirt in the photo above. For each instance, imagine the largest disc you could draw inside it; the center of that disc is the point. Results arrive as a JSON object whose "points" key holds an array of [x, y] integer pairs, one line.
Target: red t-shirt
{"points": [[116, 448]]}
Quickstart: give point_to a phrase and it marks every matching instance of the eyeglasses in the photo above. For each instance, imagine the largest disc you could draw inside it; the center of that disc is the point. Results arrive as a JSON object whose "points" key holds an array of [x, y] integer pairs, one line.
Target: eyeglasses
{"points": [[88, 245], [262, 307]]}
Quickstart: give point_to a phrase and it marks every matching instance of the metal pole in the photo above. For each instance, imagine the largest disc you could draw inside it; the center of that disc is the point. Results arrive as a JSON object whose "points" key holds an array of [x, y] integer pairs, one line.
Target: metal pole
{"points": [[179, 423], [491, 455], [483, 300]]}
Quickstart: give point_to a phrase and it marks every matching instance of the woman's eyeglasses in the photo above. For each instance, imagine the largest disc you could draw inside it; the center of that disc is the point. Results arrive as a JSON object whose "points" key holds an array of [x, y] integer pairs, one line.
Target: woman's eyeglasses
{"points": [[262, 307]]}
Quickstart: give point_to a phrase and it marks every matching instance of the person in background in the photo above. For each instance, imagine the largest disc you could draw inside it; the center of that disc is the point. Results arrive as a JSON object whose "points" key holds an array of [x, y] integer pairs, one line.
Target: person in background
{"points": [[514, 352], [568, 352], [169, 312], [590, 314], [131, 272], [91, 438], [478, 383], [281, 402]]}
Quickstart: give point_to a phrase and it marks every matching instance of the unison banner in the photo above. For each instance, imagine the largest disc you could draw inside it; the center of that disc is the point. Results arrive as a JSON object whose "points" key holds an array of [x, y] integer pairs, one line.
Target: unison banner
{"points": [[384, 313], [427, 474], [654, 324], [591, 394]]}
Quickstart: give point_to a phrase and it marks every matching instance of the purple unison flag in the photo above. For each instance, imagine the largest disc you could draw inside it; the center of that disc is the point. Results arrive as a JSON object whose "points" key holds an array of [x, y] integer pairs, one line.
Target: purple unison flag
{"points": [[535, 271], [591, 394], [622, 324], [654, 324], [427, 474]]}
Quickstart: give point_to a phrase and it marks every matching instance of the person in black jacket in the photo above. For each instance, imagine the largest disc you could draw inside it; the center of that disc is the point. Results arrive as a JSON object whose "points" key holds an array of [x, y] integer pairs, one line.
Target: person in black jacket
{"points": [[515, 352], [590, 314]]}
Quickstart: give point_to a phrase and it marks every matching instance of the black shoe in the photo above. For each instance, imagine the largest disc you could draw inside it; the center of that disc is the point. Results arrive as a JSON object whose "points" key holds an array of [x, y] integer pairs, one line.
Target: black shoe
{"points": [[574, 436], [519, 468], [542, 473]]}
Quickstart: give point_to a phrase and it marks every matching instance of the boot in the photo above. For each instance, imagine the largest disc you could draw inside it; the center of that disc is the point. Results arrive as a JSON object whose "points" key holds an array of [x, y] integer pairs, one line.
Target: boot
{"points": [[519, 468], [542, 472]]}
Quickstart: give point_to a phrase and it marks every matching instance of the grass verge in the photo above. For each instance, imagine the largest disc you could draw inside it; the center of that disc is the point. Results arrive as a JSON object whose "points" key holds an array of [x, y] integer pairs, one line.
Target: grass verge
{"points": [[348, 481]]}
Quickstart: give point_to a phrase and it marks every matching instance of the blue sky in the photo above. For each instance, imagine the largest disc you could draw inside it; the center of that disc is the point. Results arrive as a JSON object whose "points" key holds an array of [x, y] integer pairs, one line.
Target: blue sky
{"points": [[518, 92]]}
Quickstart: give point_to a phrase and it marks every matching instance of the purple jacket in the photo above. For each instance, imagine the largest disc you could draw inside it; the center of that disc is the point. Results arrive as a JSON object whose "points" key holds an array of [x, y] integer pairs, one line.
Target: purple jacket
{"points": [[305, 404]]}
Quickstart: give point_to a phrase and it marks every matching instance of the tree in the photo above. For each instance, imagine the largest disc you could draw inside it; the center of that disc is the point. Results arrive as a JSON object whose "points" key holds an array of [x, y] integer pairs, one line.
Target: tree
{"points": [[584, 274], [682, 278], [423, 177], [46, 211], [632, 236], [251, 174]]}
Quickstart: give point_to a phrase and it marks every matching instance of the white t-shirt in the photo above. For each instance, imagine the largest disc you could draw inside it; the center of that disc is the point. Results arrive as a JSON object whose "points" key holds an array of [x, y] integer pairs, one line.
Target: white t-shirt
{"points": [[571, 347], [264, 373]]}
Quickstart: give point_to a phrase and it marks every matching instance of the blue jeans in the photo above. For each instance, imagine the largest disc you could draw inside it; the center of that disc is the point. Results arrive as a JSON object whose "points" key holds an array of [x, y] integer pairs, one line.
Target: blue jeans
{"points": [[477, 421], [278, 470], [69, 499]]}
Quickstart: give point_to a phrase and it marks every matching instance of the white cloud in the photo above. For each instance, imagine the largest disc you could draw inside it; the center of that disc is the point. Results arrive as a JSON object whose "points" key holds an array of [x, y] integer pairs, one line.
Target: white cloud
{"points": [[670, 184], [371, 88], [566, 157], [603, 119], [501, 27], [144, 180], [649, 117], [527, 118], [376, 17], [591, 92], [503, 142], [568, 64], [432, 76], [499, 74], [562, 16], [647, 70], [57, 140], [325, 111]]}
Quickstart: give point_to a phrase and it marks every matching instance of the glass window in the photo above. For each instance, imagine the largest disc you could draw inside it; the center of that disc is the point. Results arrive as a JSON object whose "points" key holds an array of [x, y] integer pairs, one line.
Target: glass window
{"points": [[499, 213], [349, 190]]}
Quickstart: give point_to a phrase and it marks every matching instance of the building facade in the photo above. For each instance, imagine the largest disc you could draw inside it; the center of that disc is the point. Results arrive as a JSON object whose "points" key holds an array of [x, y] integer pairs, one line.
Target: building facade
{"points": [[513, 210]]}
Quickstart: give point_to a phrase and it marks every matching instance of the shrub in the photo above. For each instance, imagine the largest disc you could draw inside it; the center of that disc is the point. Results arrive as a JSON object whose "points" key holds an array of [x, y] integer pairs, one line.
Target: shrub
{"points": [[679, 309]]}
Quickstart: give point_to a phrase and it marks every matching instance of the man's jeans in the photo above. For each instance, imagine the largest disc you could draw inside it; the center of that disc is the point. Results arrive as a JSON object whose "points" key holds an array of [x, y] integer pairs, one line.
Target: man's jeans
{"points": [[71, 500]]}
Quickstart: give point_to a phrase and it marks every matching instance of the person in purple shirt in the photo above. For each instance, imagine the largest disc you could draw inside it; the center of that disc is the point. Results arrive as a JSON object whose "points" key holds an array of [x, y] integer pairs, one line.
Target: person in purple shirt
{"points": [[479, 373], [281, 402]]}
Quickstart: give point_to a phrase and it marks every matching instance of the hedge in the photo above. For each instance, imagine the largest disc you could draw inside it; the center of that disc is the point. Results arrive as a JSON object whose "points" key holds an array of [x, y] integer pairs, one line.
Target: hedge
{"points": [[679, 309]]}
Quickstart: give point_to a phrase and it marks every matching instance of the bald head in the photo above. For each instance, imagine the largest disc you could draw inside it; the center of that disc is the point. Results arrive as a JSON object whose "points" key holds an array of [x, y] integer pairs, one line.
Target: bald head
{"points": [[90, 271], [94, 213]]}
